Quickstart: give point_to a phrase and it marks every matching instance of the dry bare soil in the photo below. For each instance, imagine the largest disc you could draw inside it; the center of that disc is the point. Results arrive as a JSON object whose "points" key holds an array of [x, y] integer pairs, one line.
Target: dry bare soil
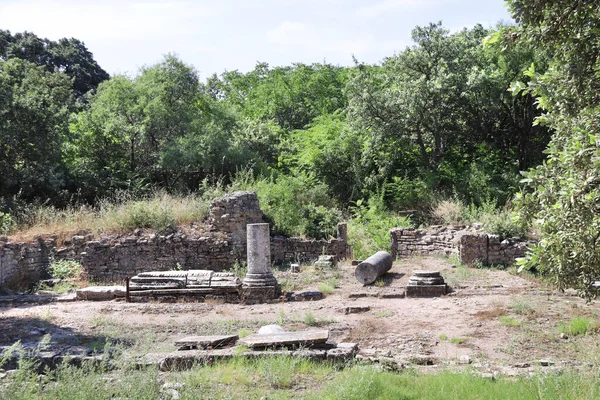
{"points": [[492, 320]]}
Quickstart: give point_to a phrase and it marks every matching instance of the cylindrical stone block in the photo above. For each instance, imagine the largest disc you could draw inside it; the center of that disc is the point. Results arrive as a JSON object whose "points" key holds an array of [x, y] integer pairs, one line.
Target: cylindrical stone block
{"points": [[259, 256], [373, 267]]}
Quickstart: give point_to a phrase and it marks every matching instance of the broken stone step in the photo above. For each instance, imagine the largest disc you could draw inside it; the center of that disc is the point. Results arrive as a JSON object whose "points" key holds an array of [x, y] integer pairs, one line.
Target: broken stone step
{"points": [[287, 339], [205, 342], [392, 294]]}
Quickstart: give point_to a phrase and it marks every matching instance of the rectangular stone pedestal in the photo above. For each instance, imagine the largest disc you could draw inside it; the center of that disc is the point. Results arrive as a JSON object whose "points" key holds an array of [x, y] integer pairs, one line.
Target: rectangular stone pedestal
{"points": [[260, 294], [425, 290]]}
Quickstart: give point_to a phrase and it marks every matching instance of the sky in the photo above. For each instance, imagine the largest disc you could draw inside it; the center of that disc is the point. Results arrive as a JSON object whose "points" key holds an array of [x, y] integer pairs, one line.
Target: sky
{"points": [[219, 35]]}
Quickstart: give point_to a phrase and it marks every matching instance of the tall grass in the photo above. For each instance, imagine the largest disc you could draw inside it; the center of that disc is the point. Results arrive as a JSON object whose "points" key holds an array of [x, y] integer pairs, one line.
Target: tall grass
{"points": [[121, 213], [283, 377], [498, 221]]}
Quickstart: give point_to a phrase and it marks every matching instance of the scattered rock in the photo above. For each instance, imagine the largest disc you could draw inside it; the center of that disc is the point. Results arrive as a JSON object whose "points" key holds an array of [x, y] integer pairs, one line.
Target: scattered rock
{"points": [[270, 330], [308, 295], [356, 309], [545, 363], [464, 360]]}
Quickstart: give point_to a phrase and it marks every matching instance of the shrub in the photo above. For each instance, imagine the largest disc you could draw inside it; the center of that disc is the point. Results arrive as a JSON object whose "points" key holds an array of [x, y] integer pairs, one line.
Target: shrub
{"points": [[295, 205], [403, 193], [309, 318], [577, 326], [63, 269], [6, 223], [325, 288], [369, 229], [450, 212]]}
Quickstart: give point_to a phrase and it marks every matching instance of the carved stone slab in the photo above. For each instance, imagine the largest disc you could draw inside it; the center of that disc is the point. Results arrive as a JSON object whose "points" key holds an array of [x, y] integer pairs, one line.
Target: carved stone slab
{"points": [[287, 339], [205, 342], [192, 279]]}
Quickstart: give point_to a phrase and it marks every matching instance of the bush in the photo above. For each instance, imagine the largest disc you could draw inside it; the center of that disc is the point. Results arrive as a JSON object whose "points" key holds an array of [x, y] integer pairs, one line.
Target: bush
{"points": [[295, 205], [63, 269], [369, 229], [320, 222], [450, 212], [6, 223], [403, 193], [577, 326]]}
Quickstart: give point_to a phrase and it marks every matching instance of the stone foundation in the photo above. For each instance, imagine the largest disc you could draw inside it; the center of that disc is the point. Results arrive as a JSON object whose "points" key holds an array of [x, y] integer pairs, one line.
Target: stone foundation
{"points": [[469, 244]]}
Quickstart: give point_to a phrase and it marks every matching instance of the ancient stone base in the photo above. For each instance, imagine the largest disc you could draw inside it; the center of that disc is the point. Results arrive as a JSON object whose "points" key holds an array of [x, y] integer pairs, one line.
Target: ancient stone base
{"points": [[260, 294], [425, 290]]}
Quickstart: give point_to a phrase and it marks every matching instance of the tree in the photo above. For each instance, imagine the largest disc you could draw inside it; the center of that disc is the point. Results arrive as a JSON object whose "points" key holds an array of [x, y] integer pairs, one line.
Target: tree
{"points": [[439, 113], [67, 55], [157, 128], [563, 194], [34, 109]]}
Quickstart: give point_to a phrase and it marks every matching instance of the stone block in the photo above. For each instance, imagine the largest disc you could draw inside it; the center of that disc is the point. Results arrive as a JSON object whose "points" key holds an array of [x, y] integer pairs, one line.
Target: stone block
{"points": [[100, 293], [425, 291]]}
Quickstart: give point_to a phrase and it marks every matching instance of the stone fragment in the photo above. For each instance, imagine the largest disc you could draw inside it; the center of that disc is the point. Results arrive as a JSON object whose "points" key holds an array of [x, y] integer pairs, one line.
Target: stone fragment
{"points": [[205, 342], [270, 330], [287, 339], [464, 360], [392, 294], [326, 261], [308, 295], [356, 309], [100, 293], [373, 267]]}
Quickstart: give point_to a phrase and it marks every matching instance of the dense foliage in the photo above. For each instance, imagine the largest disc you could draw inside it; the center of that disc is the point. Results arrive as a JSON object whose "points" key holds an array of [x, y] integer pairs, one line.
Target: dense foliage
{"points": [[317, 142], [563, 193]]}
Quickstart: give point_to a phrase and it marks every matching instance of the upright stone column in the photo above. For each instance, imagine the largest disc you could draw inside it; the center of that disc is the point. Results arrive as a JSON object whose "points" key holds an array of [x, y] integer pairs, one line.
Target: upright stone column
{"points": [[259, 257]]}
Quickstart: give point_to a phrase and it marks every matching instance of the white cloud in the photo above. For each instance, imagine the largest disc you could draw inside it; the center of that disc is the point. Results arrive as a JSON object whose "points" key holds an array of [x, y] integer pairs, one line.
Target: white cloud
{"points": [[299, 36], [387, 6], [111, 19]]}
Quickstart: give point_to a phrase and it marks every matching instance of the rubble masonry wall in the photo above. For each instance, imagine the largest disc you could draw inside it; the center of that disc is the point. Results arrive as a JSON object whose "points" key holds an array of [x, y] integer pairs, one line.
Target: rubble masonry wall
{"points": [[112, 258], [469, 244]]}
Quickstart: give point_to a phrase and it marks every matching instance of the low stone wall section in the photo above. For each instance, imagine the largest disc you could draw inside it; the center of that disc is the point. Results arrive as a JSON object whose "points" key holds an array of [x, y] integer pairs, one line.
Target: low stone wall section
{"points": [[112, 258], [468, 243]]}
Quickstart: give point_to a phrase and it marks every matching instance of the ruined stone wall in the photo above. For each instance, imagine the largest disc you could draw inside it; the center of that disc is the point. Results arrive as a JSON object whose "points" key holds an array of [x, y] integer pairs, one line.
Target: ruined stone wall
{"points": [[22, 262], [114, 257], [295, 250], [469, 244], [407, 242]]}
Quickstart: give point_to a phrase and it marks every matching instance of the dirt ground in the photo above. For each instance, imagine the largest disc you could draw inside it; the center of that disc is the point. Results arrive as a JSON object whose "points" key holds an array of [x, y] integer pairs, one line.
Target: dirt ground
{"points": [[491, 319]]}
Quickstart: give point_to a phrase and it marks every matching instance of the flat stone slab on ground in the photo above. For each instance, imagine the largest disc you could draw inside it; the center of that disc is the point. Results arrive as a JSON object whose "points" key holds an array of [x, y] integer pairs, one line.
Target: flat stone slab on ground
{"points": [[356, 309], [180, 360], [205, 342], [392, 294], [100, 293], [287, 339]]}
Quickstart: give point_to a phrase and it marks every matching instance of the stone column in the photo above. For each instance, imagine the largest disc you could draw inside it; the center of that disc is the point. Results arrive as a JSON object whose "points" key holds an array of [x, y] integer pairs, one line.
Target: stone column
{"points": [[259, 257]]}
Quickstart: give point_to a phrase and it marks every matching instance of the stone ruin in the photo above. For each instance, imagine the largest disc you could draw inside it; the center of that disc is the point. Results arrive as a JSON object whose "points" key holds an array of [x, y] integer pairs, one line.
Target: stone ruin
{"points": [[215, 246], [259, 285]]}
